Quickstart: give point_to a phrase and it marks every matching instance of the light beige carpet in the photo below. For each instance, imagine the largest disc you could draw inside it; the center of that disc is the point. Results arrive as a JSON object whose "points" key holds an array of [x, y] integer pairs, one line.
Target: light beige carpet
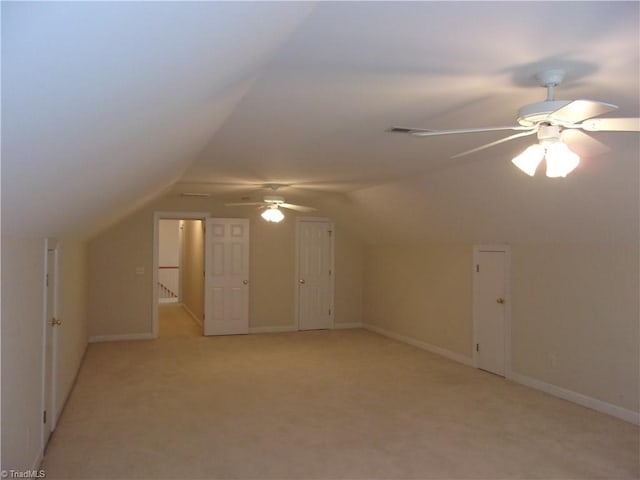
{"points": [[174, 321], [322, 405]]}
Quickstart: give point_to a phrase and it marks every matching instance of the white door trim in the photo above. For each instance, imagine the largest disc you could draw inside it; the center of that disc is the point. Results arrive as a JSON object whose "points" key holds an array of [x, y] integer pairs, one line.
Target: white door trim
{"points": [[157, 216], [506, 249], [297, 266], [49, 404]]}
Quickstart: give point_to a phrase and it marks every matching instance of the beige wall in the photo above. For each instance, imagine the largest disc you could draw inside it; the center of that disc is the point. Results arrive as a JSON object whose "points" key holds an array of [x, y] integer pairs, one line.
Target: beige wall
{"points": [[422, 292], [120, 302], [349, 276], [578, 304], [193, 268], [23, 268], [575, 310]]}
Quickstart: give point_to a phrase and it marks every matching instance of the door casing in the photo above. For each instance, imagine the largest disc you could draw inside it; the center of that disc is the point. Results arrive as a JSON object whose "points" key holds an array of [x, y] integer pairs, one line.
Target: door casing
{"points": [[50, 337], [477, 253], [157, 216]]}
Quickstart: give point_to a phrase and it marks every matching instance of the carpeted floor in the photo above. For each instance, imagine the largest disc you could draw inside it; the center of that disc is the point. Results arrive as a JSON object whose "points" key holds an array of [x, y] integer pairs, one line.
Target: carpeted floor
{"points": [[174, 321], [344, 404]]}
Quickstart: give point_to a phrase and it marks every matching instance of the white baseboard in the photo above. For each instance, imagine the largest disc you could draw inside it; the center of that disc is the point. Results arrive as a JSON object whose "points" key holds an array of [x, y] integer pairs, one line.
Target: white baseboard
{"points": [[121, 338], [337, 325], [167, 301], [575, 397], [292, 328], [456, 357], [277, 329], [192, 315], [36, 464]]}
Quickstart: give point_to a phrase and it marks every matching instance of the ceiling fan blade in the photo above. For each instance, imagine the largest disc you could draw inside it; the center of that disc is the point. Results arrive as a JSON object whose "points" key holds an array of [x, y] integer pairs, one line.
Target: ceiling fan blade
{"points": [[408, 130], [497, 142], [243, 204], [427, 133], [583, 144], [299, 208], [611, 125], [580, 110]]}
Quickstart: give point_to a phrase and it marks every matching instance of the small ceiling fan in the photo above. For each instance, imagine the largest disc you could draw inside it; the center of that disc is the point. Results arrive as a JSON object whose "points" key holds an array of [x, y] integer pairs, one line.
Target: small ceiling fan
{"points": [[272, 205], [548, 119]]}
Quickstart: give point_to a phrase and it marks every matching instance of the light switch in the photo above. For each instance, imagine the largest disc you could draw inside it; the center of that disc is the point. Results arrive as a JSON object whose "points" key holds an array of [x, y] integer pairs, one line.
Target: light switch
{"points": [[139, 270]]}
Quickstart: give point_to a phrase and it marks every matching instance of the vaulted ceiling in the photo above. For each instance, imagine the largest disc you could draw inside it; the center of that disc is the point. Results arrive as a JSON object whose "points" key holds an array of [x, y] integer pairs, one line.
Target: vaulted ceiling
{"points": [[108, 105]]}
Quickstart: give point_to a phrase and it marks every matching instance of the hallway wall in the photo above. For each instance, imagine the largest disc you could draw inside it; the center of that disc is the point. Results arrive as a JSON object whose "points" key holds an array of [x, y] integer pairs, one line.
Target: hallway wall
{"points": [[121, 263], [193, 268]]}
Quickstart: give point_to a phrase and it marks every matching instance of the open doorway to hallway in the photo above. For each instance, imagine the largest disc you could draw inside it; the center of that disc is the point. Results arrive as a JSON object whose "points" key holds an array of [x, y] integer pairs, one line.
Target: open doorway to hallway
{"points": [[178, 274]]}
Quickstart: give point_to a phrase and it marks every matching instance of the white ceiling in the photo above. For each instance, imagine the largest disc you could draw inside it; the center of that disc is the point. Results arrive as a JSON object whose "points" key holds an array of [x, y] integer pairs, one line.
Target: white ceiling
{"points": [[106, 105]]}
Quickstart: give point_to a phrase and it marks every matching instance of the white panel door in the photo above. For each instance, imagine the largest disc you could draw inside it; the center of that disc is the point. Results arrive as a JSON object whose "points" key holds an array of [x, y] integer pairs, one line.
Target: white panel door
{"points": [[490, 304], [226, 276], [315, 276]]}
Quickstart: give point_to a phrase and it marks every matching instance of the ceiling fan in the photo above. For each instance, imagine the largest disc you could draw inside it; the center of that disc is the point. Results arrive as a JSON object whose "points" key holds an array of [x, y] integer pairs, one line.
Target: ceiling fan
{"points": [[272, 205], [548, 119]]}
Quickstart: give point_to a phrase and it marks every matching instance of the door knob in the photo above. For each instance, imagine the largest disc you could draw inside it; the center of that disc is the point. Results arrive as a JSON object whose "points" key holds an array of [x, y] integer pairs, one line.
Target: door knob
{"points": [[500, 300], [301, 281], [54, 321], [245, 282]]}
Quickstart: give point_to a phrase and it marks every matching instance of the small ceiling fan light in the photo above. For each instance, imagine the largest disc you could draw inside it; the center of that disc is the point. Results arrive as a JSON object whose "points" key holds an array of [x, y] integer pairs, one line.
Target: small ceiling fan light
{"points": [[529, 160], [561, 161], [273, 214]]}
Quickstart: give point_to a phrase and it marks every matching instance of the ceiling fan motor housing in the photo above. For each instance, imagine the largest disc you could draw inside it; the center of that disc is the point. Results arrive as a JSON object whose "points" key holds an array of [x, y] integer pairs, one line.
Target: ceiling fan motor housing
{"points": [[274, 199], [548, 134], [535, 113]]}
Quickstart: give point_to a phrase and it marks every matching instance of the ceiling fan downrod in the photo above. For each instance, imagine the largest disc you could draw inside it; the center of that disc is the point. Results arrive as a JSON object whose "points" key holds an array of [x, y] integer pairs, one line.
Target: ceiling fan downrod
{"points": [[550, 79]]}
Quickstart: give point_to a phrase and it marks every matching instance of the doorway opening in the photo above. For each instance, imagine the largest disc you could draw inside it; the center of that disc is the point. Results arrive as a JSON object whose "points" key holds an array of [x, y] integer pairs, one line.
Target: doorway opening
{"points": [[178, 274], [170, 238]]}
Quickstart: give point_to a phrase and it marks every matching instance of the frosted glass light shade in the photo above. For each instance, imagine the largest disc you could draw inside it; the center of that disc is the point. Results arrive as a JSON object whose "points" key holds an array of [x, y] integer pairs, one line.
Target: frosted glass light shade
{"points": [[273, 214], [560, 160], [529, 160]]}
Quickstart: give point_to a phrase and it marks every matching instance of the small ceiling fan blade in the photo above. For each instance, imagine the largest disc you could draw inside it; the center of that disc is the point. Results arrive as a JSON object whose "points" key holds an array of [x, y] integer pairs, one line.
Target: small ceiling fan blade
{"points": [[243, 204], [408, 130], [583, 144], [427, 133], [497, 142], [580, 110], [299, 208], [611, 125]]}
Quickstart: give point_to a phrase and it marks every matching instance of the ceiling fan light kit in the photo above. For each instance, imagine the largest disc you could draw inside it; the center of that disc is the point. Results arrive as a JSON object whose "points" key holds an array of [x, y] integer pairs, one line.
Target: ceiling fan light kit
{"points": [[548, 119], [273, 214], [560, 159]]}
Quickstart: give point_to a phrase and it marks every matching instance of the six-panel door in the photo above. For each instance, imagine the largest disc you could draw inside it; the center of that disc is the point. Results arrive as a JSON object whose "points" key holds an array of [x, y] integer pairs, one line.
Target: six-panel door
{"points": [[227, 276]]}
